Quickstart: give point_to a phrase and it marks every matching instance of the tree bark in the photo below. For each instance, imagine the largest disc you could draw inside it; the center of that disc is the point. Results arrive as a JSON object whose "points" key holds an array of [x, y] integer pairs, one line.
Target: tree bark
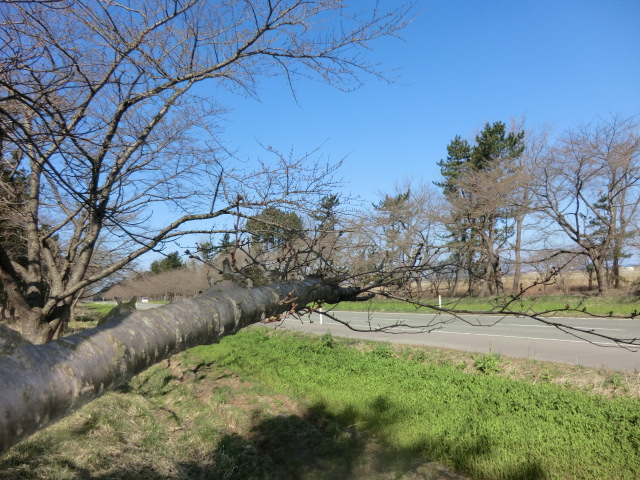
{"points": [[601, 276], [44, 383], [517, 274]]}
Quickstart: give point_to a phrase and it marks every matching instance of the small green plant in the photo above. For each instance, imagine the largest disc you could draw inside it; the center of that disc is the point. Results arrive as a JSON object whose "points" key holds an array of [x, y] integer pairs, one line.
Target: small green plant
{"points": [[419, 356], [615, 380], [382, 351], [327, 340], [487, 363], [546, 376]]}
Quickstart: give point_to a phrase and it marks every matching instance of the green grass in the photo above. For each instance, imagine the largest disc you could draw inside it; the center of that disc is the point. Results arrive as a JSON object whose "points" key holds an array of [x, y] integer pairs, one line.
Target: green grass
{"points": [[483, 425], [268, 404], [87, 316], [96, 309], [560, 305], [195, 420]]}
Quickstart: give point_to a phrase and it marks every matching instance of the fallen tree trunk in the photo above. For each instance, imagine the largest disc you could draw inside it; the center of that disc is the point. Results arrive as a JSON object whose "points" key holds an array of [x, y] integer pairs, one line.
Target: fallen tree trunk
{"points": [[40, 384]]}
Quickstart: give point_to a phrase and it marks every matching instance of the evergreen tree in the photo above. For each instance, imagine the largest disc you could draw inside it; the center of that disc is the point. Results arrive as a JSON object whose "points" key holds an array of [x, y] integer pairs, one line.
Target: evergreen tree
{"points": [[458, 160], [274, 227], [495, 146], [170, 262], [225, 243], [326, 213], [207, 250], [480, 223]]}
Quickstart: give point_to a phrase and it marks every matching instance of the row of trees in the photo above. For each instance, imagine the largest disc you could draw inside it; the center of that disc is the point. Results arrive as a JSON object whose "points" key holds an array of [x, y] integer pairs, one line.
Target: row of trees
{"points": [[268, 246], [166, 285], [513, 200], [102, 126], [509, 202]]}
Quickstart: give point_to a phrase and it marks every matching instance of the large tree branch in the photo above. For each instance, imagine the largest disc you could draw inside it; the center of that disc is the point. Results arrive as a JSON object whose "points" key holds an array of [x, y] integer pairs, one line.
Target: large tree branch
{"points": [[42, 384]]}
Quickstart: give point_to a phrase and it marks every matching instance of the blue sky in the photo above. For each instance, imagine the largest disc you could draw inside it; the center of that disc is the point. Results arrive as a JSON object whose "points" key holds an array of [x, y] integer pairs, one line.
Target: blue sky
{"points": [[462, 63]]}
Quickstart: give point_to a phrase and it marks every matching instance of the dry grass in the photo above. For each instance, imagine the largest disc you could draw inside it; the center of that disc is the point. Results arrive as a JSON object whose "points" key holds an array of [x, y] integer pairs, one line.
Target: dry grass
{"points": [[564, 283]]}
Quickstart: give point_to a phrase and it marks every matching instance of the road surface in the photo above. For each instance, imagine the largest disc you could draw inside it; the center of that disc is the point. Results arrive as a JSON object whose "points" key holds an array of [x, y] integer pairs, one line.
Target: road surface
{"points": [[512, 336]]}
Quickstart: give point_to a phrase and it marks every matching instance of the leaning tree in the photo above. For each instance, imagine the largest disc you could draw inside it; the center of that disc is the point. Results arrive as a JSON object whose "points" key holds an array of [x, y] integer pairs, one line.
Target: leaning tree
{"points": [[109, 111]]}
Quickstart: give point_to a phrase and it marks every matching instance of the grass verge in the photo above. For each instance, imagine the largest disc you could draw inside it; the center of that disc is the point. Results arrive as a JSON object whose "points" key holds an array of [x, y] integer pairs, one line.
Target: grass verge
{"points": [[560, 305], [486, 426], [270, 404]]}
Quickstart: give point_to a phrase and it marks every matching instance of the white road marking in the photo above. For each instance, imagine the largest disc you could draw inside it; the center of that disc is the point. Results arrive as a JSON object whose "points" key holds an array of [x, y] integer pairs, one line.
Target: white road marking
{"points": [[524, 338], [416, 330], [535, 325]]}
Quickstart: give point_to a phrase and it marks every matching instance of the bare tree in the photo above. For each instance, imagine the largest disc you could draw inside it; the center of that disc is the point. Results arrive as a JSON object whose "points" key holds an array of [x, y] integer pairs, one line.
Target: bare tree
{"points": [[520, 201], [590, 186], [395, 245], [280, 245], [108, 109]]}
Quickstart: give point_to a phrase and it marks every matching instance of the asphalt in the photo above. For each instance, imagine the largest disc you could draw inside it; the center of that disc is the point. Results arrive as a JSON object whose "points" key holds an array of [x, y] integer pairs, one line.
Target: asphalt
{"points": [[511, 336]]}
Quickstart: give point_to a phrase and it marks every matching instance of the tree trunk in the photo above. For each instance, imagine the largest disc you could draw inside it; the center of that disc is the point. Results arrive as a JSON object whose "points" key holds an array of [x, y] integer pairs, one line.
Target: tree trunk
{"points": [[33, 330], [615, 271], [615, 264], [601, 275], [517, 273], [456, 281], [418, 282], [43, 383], [39, 327]]}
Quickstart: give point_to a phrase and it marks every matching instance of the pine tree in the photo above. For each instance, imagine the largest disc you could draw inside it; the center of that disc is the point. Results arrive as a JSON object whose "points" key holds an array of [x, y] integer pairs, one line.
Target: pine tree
{"points": [[480, 225], [170, 262]]}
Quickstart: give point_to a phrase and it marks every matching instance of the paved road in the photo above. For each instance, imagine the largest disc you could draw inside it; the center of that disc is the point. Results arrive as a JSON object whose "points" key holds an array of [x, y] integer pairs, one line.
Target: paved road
{"points": [[512, 336]]}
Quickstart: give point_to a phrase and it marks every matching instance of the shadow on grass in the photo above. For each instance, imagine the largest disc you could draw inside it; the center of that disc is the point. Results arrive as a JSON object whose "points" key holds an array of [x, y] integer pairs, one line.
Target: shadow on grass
{"points": [[322, 445], [314, 445]]}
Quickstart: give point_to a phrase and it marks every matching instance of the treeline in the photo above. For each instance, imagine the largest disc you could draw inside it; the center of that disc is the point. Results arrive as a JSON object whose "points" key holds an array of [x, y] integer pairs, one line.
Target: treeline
{"points": [[512, 201], [268, 246], [513, 208], [185, 281]]}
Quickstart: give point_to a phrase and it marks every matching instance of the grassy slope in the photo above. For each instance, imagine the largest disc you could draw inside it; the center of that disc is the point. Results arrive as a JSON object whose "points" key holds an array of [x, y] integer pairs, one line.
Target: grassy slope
{"points": [[280, 405], [488, 426]]}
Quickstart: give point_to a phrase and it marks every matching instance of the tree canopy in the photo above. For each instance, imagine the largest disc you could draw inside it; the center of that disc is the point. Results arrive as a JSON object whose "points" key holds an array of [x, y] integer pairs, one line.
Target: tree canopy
{"points": [[275, 227], [168, 263]]}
